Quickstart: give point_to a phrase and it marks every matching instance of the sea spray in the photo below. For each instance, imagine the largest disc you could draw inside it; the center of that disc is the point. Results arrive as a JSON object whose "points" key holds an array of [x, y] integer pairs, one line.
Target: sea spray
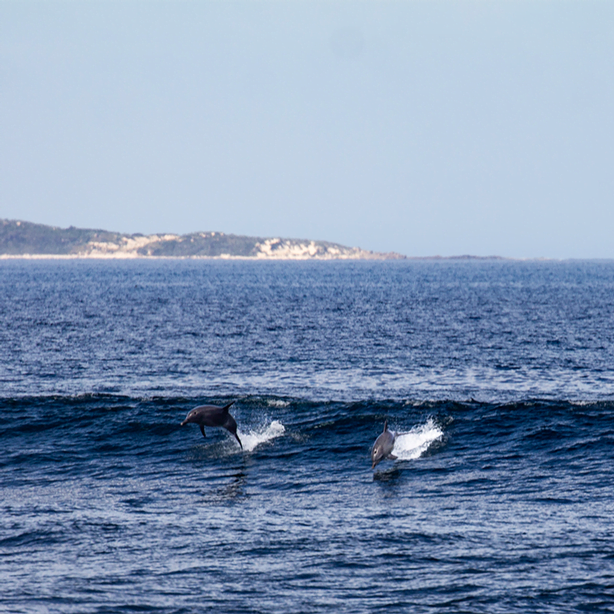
{"points": [[411, 445], [256, 437]]}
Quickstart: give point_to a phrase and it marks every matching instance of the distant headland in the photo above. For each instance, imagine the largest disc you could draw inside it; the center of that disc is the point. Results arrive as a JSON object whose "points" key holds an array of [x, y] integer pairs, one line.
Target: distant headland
{"points": [[26, 239]]}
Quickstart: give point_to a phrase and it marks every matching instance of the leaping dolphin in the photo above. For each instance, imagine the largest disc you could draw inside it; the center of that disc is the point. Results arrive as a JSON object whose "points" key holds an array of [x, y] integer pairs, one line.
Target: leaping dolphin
{"points": [[382, 448], [212, 415]]}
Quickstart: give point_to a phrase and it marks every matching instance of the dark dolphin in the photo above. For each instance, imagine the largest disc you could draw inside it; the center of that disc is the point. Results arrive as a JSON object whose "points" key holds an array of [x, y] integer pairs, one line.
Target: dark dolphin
{"points": [[212, 415], [382, 448]]}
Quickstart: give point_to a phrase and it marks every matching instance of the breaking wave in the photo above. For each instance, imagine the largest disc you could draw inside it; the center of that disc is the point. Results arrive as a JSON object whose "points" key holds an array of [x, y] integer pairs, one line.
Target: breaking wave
{"points": [[255, 438], [411, 445]]}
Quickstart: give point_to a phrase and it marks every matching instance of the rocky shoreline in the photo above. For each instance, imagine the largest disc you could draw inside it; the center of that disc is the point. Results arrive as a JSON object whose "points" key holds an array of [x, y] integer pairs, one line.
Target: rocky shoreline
{"points": [[19, 239]]}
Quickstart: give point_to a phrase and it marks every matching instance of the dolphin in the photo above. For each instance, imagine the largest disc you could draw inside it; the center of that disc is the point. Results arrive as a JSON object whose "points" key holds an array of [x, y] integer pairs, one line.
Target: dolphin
{"points": [[382, 448], [213, 415]]}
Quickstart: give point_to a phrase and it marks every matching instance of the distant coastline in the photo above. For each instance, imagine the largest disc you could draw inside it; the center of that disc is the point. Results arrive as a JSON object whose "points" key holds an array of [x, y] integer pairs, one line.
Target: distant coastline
{"points": [[28, 240], [20, 239]]}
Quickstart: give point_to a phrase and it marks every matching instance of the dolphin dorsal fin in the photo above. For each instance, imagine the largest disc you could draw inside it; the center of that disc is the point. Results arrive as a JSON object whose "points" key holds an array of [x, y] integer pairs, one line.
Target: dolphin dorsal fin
{"points": [[385, 425], [227, 407]]}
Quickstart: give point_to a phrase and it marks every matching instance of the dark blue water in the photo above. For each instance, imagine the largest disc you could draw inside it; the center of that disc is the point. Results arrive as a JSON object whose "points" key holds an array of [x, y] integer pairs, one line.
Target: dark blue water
{"points": [[498, 378]]}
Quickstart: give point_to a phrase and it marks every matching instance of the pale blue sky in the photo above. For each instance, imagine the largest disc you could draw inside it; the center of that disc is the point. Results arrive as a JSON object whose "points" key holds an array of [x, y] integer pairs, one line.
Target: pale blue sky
{"points": [[422, 127]]}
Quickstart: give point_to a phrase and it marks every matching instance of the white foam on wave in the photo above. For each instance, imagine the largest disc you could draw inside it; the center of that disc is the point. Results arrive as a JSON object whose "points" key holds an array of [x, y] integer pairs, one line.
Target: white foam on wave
{"points": [[256, 437], [277, 403], [411, 445]]}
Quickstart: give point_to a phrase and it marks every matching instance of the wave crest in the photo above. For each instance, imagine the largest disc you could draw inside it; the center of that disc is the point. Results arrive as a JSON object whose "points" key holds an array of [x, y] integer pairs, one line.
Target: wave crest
{"points": [[256, 437], [411, 445]]}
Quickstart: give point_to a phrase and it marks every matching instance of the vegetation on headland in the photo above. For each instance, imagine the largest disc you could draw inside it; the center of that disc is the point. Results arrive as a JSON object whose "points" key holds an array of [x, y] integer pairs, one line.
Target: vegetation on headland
{"points": [[19, 238]]}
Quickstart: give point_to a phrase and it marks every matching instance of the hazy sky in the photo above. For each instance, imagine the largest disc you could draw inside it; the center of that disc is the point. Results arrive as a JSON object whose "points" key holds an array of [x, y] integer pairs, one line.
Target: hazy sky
{"points": [[422, 127]]}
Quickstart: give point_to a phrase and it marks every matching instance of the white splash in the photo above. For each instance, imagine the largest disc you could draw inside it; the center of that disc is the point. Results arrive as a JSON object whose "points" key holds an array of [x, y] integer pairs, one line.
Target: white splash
{"points": [[409, 446], [255, 438]]}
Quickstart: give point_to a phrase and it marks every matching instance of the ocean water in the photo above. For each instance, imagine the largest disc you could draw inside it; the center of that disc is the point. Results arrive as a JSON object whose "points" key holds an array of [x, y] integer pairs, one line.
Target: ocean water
{"points": [[497, 377]]}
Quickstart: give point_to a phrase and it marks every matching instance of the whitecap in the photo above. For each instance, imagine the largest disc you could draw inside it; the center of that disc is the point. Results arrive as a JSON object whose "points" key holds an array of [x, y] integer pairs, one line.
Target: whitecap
{"points": [[412, 445], [277, 403], [256, 437]]}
